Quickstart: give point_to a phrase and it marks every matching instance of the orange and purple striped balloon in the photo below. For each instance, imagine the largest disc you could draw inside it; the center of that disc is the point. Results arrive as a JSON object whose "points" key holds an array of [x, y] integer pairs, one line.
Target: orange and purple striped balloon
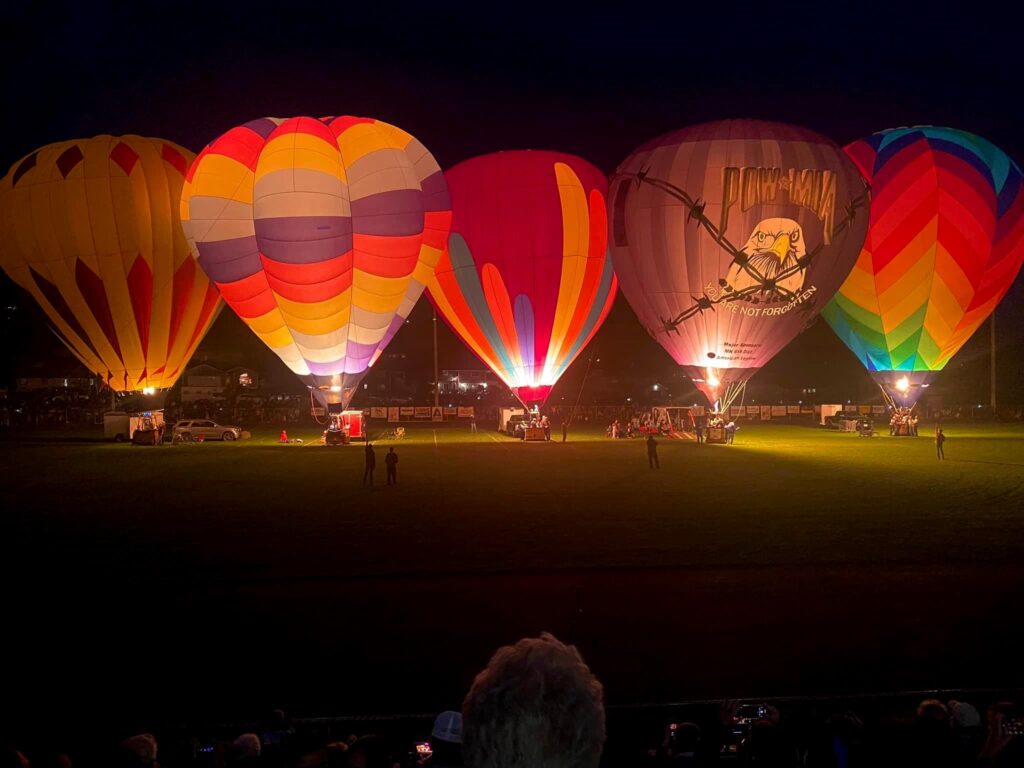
{"points": [[321, 234]]}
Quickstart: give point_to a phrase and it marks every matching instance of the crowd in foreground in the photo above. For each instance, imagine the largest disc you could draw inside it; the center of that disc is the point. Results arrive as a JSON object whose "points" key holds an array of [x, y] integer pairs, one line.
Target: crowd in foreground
{"points": [[538, 705]]}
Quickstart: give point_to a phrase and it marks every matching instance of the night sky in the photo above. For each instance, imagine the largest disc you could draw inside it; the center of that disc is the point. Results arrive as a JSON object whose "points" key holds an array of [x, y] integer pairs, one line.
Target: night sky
{"points": [[473, 78]]}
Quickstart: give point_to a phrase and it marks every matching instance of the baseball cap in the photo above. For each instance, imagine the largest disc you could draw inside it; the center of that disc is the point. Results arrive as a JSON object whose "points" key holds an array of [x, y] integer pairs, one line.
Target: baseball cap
{"points": [[448, 727]]}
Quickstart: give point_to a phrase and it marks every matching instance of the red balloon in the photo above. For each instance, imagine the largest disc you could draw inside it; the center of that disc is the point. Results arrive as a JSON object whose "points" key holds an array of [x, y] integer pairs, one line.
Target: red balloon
{"points": [[526, 280]]}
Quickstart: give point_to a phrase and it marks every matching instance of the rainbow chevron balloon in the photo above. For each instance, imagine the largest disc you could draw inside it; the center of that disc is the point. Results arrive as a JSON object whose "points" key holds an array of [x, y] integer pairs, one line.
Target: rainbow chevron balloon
{"points": [[944, 244]]}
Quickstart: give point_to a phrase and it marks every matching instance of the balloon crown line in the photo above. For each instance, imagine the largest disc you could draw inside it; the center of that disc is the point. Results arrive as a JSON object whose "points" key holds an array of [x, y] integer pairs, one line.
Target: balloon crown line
{"points": [[762, 284]]}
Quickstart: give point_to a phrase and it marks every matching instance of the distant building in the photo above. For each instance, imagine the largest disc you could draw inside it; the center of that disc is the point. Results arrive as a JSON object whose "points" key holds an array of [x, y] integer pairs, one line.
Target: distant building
{"points": [[36, 383], [202, 382], [467, 381], [208, 382], [388, 385]]}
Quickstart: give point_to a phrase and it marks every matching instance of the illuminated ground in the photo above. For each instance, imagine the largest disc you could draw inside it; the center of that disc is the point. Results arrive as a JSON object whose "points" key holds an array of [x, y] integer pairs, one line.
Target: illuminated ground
{"points": [[253, 574]]}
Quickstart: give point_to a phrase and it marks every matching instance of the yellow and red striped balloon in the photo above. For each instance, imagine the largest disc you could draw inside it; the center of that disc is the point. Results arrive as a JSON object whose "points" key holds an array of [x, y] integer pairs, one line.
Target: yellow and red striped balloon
{"points": [[90, 228], [321, 235]]}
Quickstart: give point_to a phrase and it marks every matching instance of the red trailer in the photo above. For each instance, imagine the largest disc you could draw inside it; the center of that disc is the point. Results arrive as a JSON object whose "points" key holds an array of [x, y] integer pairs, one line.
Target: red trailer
{"points": [[355, 421], [345, 427]]}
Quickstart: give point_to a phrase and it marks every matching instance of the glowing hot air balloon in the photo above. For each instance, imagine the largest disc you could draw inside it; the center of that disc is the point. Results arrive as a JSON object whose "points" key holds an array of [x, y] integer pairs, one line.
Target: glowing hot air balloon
{"points": [[90, 228], [526, 280], [945, 242], [321, 235], [729, 238]]}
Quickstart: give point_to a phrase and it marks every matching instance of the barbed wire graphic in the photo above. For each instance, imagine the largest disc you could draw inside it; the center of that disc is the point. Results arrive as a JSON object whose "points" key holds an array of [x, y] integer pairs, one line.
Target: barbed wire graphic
{"points": [[763, 285]]}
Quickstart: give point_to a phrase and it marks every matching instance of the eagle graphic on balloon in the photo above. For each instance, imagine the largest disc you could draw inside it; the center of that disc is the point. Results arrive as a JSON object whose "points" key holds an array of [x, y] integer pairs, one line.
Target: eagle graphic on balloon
{"points": [[773, 252]]}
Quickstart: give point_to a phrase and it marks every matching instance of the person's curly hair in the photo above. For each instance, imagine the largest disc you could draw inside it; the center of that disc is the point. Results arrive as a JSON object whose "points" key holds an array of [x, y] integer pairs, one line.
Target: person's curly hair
{"points": [[535, 705]]}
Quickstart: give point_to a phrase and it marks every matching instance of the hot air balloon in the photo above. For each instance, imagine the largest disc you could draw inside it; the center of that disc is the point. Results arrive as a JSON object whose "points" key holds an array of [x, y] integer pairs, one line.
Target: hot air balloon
{"points": [[945, 242], [321, 235], [90, 228], [526, 280], [729, 238]]}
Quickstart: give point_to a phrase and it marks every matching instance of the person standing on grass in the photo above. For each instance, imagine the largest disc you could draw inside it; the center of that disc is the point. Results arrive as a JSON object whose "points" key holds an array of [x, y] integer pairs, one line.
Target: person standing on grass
{"points": [[371, 463], [391, 465], [652, 452], [472, 423], [565, 429], [940, 440], [698, 428]]}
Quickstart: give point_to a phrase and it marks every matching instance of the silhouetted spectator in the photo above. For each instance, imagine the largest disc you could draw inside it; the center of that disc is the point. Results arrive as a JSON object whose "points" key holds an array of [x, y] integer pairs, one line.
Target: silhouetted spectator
{"points": [[1002, 749], [371, 462], [683, 746], [368, 752], [766, 745], [337, 754], [535, 705], [391, 465], [245, 751], [841, 743], [138, 751], [967, 732], [277, 738], [652, 453], [931, 738], [446, 741]]}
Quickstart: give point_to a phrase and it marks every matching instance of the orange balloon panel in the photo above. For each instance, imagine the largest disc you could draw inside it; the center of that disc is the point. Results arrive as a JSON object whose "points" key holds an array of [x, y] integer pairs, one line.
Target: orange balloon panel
{"points": [[91, 229]]}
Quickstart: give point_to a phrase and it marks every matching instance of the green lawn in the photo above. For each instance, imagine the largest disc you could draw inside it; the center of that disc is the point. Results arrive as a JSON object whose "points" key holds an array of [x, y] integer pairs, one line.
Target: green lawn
{"points": [[779, 494], [852, 554]]}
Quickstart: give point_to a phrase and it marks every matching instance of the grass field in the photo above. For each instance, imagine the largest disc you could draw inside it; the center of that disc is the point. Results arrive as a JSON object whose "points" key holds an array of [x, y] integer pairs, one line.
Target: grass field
{"points": [[255, 574]]}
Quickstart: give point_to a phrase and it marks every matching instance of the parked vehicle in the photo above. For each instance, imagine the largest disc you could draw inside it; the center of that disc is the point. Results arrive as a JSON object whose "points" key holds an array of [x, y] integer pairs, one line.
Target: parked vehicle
{"points": [[205, 429]]}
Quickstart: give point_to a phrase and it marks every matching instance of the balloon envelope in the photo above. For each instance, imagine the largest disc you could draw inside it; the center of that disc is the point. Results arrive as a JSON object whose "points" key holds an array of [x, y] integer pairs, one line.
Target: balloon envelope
{"points": [[526, 280], [321, 234], [729, 237], [945, 242], [90, 228]]}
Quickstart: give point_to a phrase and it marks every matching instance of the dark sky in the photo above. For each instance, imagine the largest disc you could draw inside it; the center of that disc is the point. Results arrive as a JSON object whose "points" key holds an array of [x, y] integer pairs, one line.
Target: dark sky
{"points": [[473, 78]]}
